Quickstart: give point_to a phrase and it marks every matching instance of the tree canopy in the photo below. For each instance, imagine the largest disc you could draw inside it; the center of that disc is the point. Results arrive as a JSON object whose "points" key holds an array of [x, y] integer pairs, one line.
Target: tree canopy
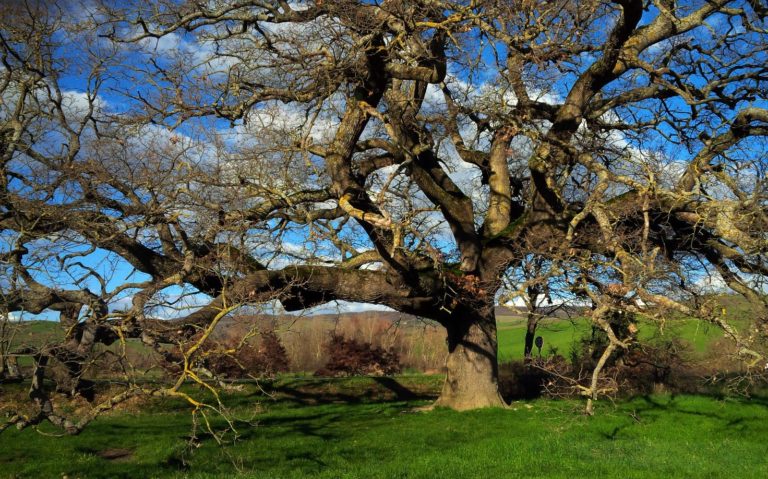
{"points": [[412, 154]]}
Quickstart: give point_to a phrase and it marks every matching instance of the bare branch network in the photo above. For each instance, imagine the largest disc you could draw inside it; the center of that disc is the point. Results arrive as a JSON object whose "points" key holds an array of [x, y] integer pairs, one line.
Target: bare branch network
{"points": [[426, 155]]}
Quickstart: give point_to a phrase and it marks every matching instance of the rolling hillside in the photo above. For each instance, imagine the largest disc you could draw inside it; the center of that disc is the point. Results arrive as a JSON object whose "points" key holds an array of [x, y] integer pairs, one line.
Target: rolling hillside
{"points": [[304, 336]]}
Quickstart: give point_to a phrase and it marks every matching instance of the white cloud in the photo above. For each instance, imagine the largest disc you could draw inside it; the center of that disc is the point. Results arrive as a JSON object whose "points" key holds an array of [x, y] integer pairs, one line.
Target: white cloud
{"points": [[339, 307], [710, 283], [289, 121], [121, 304], [77, 104], [14, 316]]}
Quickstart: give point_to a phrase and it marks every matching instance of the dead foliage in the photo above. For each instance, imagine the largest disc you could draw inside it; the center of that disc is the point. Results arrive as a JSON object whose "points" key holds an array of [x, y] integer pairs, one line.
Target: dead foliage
{"points": [[350, 357]]}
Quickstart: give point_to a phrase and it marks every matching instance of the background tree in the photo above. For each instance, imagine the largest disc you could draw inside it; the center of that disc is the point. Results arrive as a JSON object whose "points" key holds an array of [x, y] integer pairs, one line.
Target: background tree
{"points": [[542, 292], [399, 153]]}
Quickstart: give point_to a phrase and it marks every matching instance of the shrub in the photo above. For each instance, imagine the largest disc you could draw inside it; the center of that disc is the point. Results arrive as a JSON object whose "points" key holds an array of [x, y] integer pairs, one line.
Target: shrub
{"points": [[231, 361], [272, 357], [234, 365], [655, 367], [348, 357], [520, 380], [644, 368], [553, 377]]}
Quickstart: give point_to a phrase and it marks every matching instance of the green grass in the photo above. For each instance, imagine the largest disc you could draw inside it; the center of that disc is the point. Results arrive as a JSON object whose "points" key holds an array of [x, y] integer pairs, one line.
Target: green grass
{"points": [[698, 334], [353, 434], [36, 333], [561, 335]]}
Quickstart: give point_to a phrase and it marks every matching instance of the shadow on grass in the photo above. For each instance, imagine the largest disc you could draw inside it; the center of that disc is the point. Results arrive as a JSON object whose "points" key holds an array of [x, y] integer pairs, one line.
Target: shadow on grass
{"points": [[117, 463], [289, 440], [314, 425], [741, 413], [320, 391], [672, 405]]}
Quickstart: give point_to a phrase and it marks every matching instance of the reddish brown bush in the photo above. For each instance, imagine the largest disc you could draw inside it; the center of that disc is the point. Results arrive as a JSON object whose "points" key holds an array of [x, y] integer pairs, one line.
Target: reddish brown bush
{"points": [[348, 357], [272, 356], [241, 361], [230, 365]]}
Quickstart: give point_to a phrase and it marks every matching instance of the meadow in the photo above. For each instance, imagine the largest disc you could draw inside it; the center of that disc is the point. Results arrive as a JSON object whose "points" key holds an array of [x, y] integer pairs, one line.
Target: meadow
{"points": [[419, 344], [562, 335], [373, 428], [302, 426]]}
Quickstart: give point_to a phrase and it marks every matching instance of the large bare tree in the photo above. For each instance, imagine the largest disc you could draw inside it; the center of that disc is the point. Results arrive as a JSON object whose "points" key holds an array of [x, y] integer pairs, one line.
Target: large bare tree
{"points": [[401, 153]]}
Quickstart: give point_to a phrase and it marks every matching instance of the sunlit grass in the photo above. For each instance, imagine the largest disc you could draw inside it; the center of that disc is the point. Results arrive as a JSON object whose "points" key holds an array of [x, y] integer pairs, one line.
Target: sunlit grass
{"points": [[561, 335], [346, 429]]}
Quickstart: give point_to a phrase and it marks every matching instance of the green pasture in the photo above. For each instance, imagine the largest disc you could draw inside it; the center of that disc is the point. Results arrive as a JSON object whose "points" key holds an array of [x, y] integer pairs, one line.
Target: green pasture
{"points": [[561, 335], [364, 428]]}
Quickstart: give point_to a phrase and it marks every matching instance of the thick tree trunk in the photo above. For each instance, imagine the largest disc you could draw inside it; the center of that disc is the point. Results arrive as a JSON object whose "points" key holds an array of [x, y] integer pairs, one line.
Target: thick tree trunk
{"points": [[9, 369], [472, 369]]}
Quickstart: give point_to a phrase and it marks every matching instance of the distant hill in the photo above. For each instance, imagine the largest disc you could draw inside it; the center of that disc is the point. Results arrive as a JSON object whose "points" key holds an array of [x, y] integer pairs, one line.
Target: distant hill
{"points": [[239, 325], [556, 311], [38, 332], [510, 311]]}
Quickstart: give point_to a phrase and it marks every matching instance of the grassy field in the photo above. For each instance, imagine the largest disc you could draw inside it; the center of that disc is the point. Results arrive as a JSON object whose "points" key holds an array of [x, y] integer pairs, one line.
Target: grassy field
{"points": [[561, 335], [358, 428], [372, 427]]}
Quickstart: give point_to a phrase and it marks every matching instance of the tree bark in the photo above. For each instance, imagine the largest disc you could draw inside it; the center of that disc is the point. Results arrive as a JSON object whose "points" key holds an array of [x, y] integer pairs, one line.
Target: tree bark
{"points": [[471, 380], [530, 335], [9, 368]]}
